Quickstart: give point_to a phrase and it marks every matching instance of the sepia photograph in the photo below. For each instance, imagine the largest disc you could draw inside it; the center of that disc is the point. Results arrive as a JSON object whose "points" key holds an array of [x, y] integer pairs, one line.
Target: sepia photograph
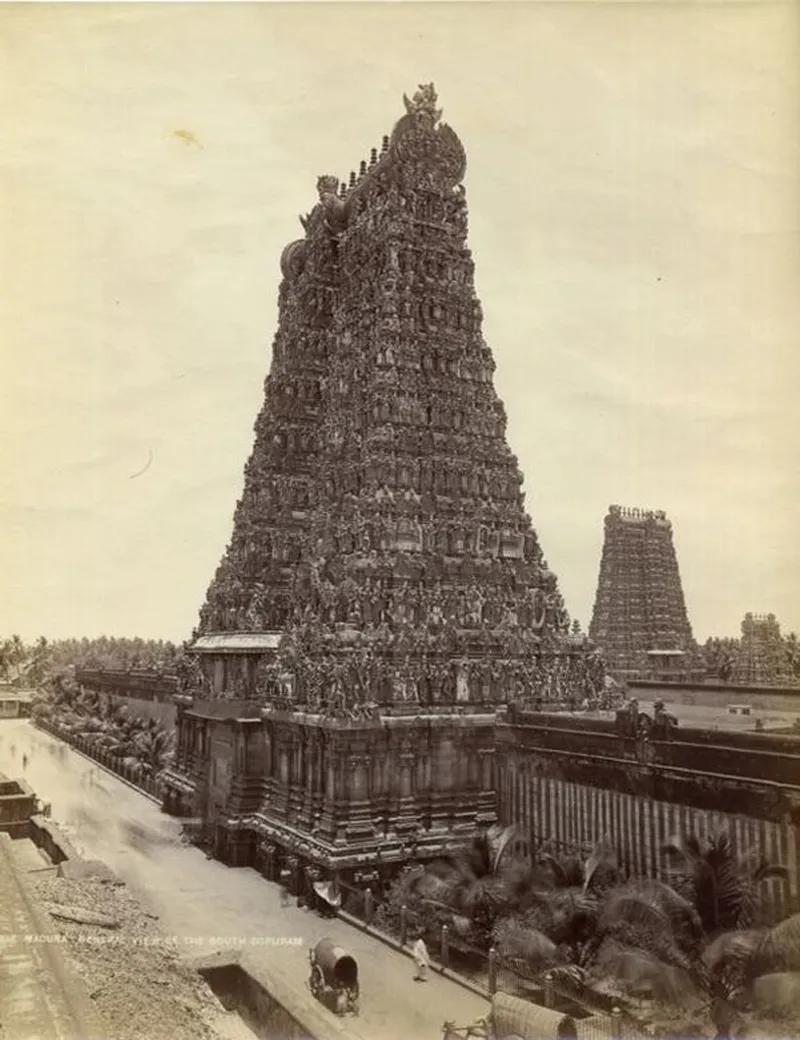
{"points": [[399, 511]]}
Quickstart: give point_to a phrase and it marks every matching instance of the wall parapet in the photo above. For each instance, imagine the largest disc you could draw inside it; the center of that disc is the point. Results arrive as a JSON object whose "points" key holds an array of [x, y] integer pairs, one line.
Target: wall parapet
{"points": [[648, 687], [140, 685], [754, 773]]}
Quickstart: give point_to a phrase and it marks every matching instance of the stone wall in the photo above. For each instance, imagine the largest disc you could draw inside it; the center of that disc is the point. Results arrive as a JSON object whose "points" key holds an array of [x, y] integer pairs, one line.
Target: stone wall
{"points": [[161, 711], [258, 1009], [17, 805], [41, 994], [145, 694], [48, 837], [719, 695], [575, 780], [267, 1006]]}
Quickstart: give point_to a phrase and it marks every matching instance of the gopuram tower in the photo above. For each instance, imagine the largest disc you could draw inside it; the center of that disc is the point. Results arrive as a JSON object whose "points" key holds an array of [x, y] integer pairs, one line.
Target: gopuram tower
{"points": [[639, 621], [762, 654], [384, 590]]}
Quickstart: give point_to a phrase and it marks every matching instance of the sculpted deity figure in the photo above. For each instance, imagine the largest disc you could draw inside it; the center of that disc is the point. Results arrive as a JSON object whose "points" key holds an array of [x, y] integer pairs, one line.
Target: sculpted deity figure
{"points": [[476, 604], [333, 207]]}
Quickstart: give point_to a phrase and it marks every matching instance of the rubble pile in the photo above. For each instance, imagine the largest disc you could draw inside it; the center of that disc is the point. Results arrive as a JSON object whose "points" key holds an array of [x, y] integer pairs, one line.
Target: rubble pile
{"points": [[132, 971]]}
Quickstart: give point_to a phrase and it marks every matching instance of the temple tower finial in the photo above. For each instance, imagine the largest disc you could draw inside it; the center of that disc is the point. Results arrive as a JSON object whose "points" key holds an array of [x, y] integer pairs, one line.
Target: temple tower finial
{"points": [[423, 103]]}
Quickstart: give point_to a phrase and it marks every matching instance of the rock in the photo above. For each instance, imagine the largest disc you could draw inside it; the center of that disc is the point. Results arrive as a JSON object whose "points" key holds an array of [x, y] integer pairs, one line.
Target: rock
{"points": [[81, 916]]}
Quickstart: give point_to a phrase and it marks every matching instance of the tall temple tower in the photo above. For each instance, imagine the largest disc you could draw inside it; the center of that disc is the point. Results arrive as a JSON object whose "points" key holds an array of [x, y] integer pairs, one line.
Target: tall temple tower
{"points": [[762, 655], [639, 621], [384, 590]]}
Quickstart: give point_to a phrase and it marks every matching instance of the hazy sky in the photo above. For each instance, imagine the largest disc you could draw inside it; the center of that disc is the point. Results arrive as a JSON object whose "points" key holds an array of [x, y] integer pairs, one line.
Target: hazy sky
{"points": [[633, 183]]}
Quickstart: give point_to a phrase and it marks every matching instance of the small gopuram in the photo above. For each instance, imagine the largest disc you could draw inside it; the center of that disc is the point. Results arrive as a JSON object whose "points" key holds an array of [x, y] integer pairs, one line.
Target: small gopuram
{"points": [[762, 656], [384, 589], [639, 621]]}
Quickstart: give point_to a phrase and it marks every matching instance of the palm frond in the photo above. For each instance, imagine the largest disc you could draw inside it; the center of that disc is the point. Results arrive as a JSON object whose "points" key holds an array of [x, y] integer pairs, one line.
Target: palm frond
{"points": [[500, 843], [780, 950], [516, 941], [640, 972], [648, 901], [558, 870], [602, 860], [731, 958]]}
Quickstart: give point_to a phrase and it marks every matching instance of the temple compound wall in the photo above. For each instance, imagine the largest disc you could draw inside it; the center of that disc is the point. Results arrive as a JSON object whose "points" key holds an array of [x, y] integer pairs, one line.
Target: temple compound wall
{"points": [[573, 780], [146, 694], [384, 589], [719, 695], [639, 621]]}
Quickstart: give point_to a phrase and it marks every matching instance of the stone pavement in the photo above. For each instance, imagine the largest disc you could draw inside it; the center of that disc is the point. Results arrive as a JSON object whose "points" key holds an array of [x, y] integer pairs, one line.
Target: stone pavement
{"points": [[39, 995], [205, 906]]}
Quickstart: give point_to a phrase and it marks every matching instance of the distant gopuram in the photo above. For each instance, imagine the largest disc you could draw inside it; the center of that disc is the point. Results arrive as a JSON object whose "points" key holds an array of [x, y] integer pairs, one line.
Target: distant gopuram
{"points": [[639, 621], [762, 658], [384, 589]]}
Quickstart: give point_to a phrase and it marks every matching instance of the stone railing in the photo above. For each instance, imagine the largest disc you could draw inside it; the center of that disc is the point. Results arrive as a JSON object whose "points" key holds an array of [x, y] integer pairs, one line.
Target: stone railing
{"points": [[149, 786]]}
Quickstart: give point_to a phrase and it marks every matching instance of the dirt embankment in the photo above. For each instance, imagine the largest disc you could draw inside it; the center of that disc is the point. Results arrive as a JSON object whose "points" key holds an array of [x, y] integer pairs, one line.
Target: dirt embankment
{"points": [[131, 970]]}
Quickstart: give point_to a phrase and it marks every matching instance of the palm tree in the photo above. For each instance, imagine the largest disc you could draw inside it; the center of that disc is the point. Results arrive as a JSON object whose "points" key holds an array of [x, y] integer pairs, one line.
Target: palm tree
{"points": [[723, 886], [12, 656], [154, 745], [792, 645], [470, 882]]}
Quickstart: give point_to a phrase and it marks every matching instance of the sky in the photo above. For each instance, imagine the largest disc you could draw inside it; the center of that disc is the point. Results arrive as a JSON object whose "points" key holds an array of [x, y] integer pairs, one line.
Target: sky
{"points": [[633, 184]]}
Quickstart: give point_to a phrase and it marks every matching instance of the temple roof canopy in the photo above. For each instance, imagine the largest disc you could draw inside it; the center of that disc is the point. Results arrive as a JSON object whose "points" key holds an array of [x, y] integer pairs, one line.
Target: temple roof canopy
{"points": [[237, 642]]}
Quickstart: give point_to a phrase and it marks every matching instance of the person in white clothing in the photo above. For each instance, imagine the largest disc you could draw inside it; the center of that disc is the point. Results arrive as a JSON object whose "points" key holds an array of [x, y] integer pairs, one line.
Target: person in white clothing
{"points": [[419, 951]]}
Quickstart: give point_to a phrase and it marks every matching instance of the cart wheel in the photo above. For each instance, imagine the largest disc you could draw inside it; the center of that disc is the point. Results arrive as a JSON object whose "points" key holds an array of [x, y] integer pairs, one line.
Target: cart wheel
{"points": [[316, 982]]}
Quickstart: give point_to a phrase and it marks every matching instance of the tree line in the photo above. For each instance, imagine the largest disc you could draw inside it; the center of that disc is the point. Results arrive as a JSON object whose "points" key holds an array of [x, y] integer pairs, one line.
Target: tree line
{"points": [[32, 664]]}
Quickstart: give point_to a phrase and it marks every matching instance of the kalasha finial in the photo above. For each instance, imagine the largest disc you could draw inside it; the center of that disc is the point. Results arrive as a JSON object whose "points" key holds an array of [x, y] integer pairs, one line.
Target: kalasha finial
{"points": [[423, 104], [373, 156], [385, 144], [352, 179]]}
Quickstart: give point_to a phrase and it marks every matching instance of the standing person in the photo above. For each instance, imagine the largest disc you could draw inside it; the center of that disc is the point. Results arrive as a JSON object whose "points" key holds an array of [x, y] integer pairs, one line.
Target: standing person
{"points": [[419, 951], [24, 761], [284, 883]]}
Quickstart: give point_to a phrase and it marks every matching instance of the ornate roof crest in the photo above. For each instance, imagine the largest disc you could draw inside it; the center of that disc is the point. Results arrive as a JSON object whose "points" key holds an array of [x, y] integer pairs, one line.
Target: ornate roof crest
{"points": [[423, 103]]}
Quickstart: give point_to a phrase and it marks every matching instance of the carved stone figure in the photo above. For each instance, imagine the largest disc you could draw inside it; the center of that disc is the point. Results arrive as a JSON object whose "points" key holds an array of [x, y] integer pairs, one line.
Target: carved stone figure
{"points": [[423, 103]]}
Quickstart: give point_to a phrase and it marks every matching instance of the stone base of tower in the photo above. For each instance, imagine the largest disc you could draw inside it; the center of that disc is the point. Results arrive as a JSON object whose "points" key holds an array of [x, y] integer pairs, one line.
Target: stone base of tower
{"points": [[344, 795], [293, 792]]}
